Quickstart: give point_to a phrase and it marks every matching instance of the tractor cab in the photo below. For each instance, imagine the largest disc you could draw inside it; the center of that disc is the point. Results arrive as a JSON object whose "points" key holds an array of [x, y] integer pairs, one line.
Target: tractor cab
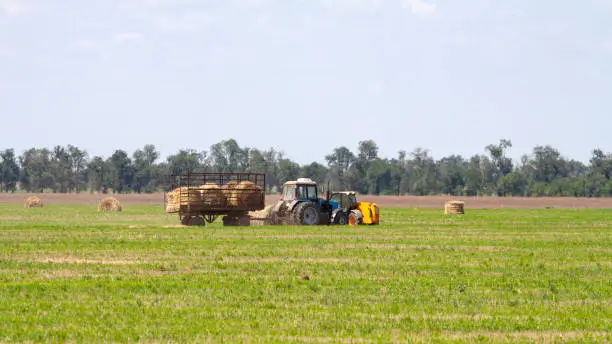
{"points": [[346, 199], [303, 189]]}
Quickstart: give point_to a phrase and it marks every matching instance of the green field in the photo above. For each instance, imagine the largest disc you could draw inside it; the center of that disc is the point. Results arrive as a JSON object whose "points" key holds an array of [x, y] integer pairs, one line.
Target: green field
{"points": [[70, 274]]}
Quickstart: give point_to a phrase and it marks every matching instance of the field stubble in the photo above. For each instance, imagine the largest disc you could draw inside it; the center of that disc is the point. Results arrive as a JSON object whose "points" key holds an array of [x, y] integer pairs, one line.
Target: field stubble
{"points": [[69, 273]]}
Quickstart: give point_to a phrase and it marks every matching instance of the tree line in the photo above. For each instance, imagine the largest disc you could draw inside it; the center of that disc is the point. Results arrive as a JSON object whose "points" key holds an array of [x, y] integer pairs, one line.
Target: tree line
{"points": [[544, 172]]}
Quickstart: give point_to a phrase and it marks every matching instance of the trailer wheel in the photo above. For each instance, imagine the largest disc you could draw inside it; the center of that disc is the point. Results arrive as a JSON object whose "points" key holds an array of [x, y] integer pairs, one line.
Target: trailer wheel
{"points": [[230, 221], [193, 220], [237, 220], [244, 221]]}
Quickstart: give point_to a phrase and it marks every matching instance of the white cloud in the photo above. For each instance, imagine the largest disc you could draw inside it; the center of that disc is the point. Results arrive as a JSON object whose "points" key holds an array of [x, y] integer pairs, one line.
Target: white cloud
{"points": [[419, 7], [13, 7], [127, 36]]}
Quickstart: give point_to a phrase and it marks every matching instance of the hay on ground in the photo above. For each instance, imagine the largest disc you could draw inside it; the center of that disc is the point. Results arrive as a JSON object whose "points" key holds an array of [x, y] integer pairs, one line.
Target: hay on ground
{"points": [[261, 214], [109, 204], [261, 217], [33, 202], [246, 194], [454, 208]]}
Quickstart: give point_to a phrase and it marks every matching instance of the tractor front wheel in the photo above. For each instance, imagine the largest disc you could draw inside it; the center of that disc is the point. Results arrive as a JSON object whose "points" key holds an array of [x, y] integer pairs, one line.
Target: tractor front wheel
{"points": [[354, 218], [340, 218], [306, 214]]}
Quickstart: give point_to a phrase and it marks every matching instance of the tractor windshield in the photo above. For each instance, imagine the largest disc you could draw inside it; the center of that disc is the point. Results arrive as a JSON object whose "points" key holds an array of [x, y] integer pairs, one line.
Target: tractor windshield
{"points": [[312, 191], [306, 192]]}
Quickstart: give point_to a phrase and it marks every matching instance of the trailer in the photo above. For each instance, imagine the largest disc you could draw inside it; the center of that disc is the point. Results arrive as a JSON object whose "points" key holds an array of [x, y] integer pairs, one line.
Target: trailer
{"points": [[200, 198]]}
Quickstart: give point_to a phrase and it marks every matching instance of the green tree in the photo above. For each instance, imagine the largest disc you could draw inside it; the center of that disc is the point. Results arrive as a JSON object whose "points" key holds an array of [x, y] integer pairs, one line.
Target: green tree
{"points": [[78, 162], [378, 177], [423, 173], [9, 171], [339, 163], [452, 174], [36, 173], [288, 170], [96, 171], [227, 156], [513, 184], [121, 172], [61, 170], [186, 161], [547, 164], [315, 171], [144, 165]]}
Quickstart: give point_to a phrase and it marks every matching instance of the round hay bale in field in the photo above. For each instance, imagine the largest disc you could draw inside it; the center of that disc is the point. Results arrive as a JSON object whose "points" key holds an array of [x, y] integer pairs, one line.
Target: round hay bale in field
{"points": [[109, 204], [454, 208], [33, 202], [212, 195], [247, 194]]}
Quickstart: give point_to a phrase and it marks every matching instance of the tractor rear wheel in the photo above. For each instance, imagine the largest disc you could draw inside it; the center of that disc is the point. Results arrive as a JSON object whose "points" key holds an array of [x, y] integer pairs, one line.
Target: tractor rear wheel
{"points": [[306, 214]]}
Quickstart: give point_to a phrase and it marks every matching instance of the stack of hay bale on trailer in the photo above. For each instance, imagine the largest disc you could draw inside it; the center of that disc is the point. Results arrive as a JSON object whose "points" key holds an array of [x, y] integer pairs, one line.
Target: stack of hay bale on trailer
{"points": [[201, 197]]}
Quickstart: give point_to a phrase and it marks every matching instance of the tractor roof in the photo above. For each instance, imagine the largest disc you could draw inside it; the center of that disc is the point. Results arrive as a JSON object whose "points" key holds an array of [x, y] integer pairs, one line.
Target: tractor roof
{"points": [[306, 181]]}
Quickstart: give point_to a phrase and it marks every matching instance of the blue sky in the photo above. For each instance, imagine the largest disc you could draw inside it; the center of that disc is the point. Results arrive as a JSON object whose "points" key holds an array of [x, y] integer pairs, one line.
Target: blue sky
{"points": [[305, 76]]}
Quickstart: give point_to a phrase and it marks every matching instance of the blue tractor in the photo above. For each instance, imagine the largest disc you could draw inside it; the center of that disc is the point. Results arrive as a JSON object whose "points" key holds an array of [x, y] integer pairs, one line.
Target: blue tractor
{"points": [[300, 204]]}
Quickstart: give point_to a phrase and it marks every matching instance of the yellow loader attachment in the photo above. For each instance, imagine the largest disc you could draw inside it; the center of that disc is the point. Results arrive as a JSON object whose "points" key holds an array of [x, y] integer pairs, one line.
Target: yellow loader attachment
{"points": [[370, 213]]}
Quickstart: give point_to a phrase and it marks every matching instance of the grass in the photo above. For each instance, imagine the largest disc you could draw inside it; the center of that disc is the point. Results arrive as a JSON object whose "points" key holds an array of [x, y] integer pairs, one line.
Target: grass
{"points": [[70, 274]]}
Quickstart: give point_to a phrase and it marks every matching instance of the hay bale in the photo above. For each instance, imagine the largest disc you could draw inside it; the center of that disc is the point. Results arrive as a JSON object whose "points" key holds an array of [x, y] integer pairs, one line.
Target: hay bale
{"points": [[172, 201], [454, 208], [33, 202], [109, 204], [228, 189], [212, 195], [183, 196], [246, 194]]}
